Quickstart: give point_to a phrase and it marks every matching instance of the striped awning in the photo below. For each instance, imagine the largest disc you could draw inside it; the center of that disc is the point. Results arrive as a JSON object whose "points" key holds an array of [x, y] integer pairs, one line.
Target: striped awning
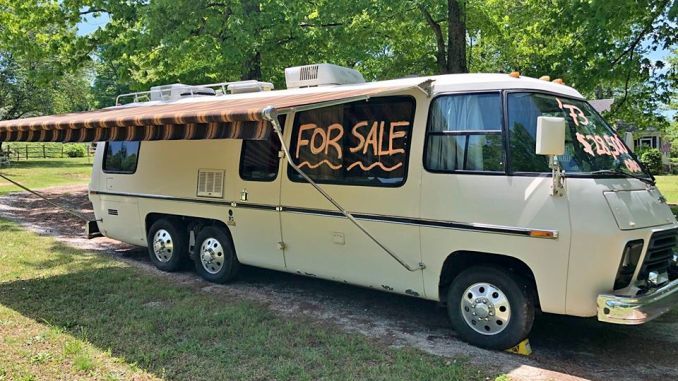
{"points": [[226, 117]]}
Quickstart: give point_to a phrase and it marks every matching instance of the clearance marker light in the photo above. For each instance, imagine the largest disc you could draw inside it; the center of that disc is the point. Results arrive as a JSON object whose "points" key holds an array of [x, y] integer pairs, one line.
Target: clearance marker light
{"points": [[558, 81], [543, 234], [515, 74], [545, 78]]}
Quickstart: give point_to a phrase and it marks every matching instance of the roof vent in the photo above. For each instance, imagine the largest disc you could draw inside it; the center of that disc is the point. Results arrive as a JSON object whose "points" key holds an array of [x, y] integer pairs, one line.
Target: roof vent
{"points": [[249, 87], [176, 91], [321, 75]]}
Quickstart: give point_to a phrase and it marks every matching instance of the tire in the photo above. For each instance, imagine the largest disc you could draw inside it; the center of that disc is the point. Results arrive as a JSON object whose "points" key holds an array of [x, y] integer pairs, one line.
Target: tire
{"points": [[502, 303], [215, 259], [167, 244]]}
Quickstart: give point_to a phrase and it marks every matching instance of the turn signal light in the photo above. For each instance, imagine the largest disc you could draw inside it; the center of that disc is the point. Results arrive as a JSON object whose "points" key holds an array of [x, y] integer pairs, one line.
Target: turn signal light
{"points": [[543, 234]]}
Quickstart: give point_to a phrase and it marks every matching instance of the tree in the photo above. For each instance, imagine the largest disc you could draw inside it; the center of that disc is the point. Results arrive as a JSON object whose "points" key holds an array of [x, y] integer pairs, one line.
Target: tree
{"points": [[42, 62], [450, 56], [591, 44]]}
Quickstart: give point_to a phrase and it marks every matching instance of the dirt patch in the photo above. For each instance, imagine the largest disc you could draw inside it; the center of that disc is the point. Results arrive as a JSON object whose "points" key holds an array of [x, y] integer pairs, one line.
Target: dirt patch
{"points": [[565, 348]]}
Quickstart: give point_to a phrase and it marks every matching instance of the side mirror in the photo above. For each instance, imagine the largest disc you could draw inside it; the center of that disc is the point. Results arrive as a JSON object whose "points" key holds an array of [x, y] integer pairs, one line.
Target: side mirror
{"points": [[550, 136]]}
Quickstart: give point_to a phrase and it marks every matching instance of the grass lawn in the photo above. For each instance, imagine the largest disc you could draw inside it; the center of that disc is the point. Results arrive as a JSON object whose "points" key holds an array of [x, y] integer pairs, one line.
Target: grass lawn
{"points": [[69, 314], [42, 173], [668, 185]]}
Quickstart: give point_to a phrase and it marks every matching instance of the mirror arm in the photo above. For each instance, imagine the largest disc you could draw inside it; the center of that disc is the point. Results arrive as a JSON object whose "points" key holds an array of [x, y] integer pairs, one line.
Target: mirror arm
{"points": [[558, 186]]}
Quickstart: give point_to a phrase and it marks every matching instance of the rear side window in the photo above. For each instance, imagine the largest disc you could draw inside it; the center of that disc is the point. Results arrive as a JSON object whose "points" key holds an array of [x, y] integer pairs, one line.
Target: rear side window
{"points": [[121, 157], [359, 143], [464, 133], [259, 159]]}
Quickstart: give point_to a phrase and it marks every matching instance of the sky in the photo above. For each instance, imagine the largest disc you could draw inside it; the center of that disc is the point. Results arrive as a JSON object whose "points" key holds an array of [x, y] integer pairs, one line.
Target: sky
{"points": [[91, 23]]}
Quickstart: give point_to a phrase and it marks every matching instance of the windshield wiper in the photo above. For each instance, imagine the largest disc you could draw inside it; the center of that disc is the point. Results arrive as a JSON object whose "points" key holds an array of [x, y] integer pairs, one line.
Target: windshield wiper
{"points": [[650, 181]]}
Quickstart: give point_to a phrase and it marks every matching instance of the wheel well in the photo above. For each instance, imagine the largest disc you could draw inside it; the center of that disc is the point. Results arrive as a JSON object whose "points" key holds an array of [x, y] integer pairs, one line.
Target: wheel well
{"points": [[461, 260], [191, 223]]}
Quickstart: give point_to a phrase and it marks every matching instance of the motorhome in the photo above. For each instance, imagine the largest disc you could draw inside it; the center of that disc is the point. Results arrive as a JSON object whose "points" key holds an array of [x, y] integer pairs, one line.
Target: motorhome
{"points": [[497, 195]]}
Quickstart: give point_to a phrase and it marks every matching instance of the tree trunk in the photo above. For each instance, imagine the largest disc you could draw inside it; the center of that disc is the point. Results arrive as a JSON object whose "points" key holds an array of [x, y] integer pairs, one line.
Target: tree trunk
{"points": [[441, 50], [456, 37], [252, 67]]}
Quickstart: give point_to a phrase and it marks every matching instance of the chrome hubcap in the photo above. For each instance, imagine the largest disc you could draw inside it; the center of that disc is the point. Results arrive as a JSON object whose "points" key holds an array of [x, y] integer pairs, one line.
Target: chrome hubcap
{"points": [[485, 308], [212, 255], [163, 247]]}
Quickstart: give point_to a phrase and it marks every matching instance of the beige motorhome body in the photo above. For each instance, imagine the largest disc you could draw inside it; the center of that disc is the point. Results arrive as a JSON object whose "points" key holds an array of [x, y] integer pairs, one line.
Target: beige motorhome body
{"points": [[440, 172]]}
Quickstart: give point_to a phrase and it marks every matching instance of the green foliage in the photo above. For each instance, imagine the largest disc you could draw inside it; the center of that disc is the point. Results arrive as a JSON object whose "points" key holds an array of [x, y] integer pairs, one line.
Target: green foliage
{"points": [[652, 160], [43, 65], [75, 150], [594, 46]]}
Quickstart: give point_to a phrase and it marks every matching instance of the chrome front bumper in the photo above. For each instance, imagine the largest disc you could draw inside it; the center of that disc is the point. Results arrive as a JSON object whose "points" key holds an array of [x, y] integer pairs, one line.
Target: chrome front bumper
{"points": [[634, 310]]}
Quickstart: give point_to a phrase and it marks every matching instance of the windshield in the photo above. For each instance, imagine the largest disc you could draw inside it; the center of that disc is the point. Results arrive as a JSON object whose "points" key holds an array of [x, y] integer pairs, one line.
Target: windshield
{"points": [[590, 144]]}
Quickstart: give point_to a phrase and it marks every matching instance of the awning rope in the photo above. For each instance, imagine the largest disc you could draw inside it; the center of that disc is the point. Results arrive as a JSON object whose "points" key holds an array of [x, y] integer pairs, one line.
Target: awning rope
{"points": [[65, 209]]}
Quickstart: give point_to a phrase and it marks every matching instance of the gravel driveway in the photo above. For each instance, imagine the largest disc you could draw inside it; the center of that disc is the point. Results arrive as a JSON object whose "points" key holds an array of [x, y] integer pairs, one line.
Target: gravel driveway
{"points": [[565, 348]]}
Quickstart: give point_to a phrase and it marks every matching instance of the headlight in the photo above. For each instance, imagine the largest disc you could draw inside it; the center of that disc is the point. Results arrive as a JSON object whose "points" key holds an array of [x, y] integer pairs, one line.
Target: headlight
{"points": [[673, 267], [628, 264]]}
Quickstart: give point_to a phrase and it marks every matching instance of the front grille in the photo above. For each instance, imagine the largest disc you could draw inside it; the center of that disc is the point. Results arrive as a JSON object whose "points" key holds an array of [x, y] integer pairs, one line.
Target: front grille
{"points": [[659, 253]]}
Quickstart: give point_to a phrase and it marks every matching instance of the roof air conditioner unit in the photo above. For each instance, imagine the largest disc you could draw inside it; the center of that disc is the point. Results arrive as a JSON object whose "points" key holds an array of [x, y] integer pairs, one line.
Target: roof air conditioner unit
{"points": [[176, 91], [321, 75]]}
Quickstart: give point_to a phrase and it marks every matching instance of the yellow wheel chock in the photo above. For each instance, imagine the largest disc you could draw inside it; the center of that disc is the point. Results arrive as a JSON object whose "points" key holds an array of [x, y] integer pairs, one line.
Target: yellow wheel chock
{"points": [[523, 348]]}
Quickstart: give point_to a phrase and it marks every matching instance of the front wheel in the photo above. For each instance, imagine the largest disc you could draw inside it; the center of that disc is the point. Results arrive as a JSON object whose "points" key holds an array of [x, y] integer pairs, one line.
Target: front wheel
{"points": [[490, 307], [215, 260]]}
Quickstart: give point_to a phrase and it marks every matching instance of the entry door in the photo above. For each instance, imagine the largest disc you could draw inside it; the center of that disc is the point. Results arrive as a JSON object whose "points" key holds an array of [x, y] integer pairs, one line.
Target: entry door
{"points": [[120, 213], [359, 153], [256, 222]]}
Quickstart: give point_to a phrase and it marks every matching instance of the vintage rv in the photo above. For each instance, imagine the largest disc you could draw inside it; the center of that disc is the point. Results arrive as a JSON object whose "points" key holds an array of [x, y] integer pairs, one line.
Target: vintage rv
{"points": [[495, 194]]}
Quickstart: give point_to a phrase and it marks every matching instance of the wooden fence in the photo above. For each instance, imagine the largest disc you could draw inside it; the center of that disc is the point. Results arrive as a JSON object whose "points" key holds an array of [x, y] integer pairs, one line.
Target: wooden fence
{"points": [[39, 151]]}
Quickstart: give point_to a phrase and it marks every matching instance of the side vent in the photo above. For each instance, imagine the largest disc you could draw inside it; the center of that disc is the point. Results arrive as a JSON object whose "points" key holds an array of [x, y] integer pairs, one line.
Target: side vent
{"points": [[211, 183]]}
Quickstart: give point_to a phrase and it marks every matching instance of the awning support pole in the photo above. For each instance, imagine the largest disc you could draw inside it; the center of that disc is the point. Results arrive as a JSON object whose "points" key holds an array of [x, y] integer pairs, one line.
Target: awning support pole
{"points": [[271, 114]]}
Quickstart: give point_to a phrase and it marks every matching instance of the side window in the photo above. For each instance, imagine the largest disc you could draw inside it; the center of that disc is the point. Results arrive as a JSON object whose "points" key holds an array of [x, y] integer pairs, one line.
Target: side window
{"points": [[259, 159], [464, 133], [524, 108], [121, 157], [359, 143]]}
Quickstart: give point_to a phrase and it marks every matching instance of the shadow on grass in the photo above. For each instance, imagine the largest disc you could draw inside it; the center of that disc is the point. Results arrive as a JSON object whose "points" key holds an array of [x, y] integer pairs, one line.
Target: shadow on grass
{"points": [[7, 228], [65, 258], [178, 333]]}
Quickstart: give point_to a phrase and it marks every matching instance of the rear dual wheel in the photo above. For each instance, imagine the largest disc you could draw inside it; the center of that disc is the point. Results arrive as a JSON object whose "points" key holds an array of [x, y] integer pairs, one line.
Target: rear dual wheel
{"points": [[215, 258], [167, 244]]}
